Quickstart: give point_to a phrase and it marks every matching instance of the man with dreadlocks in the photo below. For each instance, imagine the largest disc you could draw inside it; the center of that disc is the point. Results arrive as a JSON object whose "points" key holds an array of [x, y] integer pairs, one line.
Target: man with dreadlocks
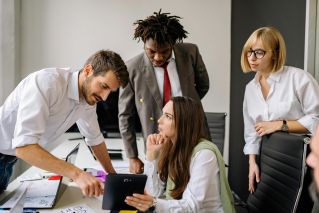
{"points": [[166, 68]]}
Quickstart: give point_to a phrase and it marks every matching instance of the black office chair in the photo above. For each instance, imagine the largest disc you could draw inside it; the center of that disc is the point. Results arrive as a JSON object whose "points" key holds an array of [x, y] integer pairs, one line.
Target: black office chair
{"points": [[285, 177], [216, 126]]}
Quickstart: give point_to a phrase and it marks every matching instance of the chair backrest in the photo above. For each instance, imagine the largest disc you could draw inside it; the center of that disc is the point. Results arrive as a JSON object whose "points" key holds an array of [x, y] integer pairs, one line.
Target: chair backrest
{"points": [[216, 126], [282, 172]]}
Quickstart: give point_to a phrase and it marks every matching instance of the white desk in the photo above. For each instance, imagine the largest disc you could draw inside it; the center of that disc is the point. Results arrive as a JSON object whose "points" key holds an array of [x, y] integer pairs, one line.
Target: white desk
{"points": [[72, 195]]}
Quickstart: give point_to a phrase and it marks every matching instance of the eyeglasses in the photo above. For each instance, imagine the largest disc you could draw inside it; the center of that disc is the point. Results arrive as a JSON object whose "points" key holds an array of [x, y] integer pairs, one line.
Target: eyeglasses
{"points": [[258, 53]]}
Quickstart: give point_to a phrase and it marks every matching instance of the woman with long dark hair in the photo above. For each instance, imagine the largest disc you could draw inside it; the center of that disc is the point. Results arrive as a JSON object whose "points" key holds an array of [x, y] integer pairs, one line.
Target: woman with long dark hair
{"points": [[186, 172]]}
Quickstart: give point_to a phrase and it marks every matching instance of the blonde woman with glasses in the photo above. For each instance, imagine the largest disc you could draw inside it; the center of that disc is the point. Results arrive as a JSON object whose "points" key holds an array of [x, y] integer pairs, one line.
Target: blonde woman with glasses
{"points": [[279, 98]]}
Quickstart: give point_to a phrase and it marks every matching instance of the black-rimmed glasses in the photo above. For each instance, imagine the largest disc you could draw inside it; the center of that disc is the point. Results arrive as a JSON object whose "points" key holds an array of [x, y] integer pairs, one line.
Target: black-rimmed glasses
{"points": [[259, 53]]}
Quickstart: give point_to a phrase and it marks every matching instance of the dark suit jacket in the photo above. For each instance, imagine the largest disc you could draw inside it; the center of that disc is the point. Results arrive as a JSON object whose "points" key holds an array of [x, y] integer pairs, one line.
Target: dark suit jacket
{"points": [[142, 94]]}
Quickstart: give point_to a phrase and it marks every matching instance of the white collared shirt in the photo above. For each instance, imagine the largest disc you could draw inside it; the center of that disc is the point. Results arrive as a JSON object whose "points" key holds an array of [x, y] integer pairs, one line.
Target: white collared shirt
{"points": [[202, 193], [42, 107], [293, 95], [173, 77]]}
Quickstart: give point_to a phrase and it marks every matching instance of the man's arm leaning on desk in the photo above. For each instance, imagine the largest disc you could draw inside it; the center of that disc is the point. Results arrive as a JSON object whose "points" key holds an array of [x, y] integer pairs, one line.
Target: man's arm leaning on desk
{"points": [[127, 113], [39, 157], [101, 153]]}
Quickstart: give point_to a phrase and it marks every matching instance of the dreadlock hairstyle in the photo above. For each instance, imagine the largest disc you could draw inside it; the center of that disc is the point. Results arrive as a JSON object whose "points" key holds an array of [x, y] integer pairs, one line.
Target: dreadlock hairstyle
{"points": [[161, 27]]}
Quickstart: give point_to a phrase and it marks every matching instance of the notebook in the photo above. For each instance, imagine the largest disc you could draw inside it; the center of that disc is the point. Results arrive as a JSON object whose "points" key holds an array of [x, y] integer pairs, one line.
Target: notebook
{"points": [[40, 194], [118, 186]]}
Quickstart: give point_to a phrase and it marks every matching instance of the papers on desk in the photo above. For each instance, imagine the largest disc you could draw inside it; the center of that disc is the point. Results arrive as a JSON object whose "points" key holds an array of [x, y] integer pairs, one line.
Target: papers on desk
{"points": [[39, 194], [76, 209], [121, 166], [17, 200]]}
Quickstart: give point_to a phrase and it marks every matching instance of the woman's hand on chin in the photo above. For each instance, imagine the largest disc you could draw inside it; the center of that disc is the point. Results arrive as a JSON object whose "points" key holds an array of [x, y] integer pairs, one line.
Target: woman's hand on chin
{"points": [[154, 145]]}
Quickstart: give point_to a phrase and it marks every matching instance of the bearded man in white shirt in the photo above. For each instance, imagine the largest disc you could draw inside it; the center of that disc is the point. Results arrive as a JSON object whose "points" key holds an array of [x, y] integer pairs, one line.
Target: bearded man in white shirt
{"points": [[46, 104]]}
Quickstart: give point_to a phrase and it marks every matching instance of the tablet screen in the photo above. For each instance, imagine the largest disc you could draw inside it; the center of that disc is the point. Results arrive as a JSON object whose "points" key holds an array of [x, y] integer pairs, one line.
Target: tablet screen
{"points": [[118, 186]]}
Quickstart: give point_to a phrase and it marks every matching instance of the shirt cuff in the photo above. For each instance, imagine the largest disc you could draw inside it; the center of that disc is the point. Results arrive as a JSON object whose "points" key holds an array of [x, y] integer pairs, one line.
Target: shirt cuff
{"points": [[24, 140], [251, 149], [96, 141], [162, 205], [149, 167], [309, 123]]}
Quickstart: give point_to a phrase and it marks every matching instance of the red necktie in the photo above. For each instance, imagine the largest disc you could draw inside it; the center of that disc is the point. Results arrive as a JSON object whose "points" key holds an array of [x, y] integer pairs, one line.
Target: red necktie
{"points": [[167, 86]]}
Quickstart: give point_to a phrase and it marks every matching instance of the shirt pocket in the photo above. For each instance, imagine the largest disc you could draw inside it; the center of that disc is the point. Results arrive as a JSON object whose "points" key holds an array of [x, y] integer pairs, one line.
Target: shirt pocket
{"points": [[289, 110]]}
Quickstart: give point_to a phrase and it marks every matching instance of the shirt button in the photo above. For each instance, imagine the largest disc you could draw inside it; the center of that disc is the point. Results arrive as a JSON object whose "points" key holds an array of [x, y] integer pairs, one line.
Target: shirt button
{"points": [[141, 100], [151, 119], [194, 85]]}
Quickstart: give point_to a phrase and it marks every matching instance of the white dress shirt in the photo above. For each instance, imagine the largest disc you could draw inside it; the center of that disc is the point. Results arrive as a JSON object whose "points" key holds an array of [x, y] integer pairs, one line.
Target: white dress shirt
{"points": [[173, 77], [293, 95], [42, 107], [202, 193]]}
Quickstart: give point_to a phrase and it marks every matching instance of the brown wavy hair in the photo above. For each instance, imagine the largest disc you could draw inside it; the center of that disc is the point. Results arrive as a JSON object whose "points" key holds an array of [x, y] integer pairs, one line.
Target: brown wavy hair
{"points": [[175, 157], [104, 60]]}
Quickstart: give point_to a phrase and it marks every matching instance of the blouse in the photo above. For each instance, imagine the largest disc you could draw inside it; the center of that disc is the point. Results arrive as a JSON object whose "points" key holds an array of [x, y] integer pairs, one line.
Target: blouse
{"points": [[202, 193], [293, 95]]}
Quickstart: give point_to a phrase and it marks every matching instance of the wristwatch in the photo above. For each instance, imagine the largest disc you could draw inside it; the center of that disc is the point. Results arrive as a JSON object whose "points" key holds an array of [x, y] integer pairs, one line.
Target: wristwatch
{"points": [[284, 126]]}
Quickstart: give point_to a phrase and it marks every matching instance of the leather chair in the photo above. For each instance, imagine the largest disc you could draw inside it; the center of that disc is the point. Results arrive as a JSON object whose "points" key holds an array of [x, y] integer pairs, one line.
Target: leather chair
{"points": [[216, 126], [284, 175]]}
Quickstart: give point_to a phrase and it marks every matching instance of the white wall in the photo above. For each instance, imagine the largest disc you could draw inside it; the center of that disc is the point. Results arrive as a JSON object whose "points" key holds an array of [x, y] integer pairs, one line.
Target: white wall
{"points": [[9, 44], [64, 33], [59, 33]]}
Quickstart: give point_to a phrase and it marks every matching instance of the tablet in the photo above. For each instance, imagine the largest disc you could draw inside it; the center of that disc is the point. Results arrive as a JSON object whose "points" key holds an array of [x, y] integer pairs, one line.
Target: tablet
{"points": [[118, 186]]}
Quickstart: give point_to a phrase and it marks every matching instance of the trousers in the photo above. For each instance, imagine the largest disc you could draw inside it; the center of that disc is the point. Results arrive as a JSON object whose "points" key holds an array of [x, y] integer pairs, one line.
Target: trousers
{"points": [[6, 167]]}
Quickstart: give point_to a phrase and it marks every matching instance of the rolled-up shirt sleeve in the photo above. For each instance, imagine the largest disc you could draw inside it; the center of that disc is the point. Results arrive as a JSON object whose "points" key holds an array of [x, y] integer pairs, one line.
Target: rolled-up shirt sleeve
{"points": [[89, 127], [308, 95], [33, 111], [154, 185], [252, 140]]}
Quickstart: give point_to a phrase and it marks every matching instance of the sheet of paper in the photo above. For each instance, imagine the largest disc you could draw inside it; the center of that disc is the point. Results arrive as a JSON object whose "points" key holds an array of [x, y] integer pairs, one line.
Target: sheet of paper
{"points": [[120, 164], [39, 194], [76, 209], [17, 200], [43, 187], [39, 202]]}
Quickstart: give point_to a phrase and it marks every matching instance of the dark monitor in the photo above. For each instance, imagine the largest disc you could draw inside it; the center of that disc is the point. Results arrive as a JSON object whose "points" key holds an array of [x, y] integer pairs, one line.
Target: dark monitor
{"points": [[107, 113]]}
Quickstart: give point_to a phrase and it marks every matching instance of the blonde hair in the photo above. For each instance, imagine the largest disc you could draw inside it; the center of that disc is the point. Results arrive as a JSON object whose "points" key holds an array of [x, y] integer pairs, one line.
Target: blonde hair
{"points": [[272, 39]]}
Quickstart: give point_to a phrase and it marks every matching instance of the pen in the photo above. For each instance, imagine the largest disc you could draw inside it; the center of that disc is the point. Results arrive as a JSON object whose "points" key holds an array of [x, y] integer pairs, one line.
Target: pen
{"points": [[71, 139], [31, 179], [115, 150], [91, 152]]}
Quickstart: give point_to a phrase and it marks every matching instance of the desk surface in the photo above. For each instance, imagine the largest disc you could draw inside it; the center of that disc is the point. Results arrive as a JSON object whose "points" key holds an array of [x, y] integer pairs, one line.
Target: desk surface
{"points": [[72, 195]]}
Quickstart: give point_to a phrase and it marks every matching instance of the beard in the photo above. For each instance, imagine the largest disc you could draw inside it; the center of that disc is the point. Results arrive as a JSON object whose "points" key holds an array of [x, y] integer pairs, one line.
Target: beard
{"points": [[86, 92]]}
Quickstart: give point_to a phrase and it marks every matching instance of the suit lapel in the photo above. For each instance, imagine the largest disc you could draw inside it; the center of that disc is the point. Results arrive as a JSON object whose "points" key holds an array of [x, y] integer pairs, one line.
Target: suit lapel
{"points": [[150, 78], [182, 68]]}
